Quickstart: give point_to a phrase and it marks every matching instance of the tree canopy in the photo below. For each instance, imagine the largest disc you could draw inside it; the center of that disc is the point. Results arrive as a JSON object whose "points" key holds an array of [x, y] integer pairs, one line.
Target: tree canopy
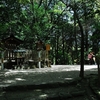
{"points": [[69, 26]]}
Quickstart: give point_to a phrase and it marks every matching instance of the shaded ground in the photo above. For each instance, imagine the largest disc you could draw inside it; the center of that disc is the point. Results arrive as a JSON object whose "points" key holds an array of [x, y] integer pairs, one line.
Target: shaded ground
{"points": [[56, 83]]}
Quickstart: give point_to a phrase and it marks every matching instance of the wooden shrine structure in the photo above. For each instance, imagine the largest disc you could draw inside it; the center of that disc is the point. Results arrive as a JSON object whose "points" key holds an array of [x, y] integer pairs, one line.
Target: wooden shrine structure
{"points": [[29, 58], [11, 43]]}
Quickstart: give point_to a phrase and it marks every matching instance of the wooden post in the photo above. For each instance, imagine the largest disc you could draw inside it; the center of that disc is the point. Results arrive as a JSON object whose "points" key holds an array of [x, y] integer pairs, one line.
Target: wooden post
{"points": [[47, 54], [47, 58], [39, 55], [2, 60]]}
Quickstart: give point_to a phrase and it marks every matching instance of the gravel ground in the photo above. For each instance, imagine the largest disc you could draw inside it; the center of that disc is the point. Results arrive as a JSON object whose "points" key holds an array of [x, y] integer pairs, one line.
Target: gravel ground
{"points": [[45, 94], [36, 76]]}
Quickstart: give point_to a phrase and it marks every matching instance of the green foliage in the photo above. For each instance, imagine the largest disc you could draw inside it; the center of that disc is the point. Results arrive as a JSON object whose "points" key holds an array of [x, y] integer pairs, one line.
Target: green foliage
{"points": [[58, 7], [24, 1], [52, 21], [3, 27], [98, 57]]}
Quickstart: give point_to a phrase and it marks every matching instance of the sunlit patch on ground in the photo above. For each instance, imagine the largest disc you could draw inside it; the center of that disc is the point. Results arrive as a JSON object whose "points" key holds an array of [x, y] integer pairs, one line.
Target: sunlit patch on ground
{"points": [[9, 81], [68, 78], [43, 96]]}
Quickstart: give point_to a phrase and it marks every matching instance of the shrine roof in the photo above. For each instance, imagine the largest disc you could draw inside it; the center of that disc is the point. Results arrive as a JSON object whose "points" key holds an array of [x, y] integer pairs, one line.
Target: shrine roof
{"points": [[12, 40]]}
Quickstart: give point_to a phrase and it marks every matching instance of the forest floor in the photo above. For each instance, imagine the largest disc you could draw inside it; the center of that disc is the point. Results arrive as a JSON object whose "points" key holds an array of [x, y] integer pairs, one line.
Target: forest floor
{"points": [[55, 83]]}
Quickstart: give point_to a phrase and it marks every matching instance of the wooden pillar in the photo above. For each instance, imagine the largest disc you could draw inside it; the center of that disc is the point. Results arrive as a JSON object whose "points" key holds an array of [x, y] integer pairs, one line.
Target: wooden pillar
{"points": [[2, 60], [47, 54], [39, 62]]}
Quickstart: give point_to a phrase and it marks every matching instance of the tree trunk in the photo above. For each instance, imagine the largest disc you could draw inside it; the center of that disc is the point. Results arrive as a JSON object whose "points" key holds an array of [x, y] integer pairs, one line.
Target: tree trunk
{"points": [[98, 73], [82, 48], [56, 50], [63, 47]]}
